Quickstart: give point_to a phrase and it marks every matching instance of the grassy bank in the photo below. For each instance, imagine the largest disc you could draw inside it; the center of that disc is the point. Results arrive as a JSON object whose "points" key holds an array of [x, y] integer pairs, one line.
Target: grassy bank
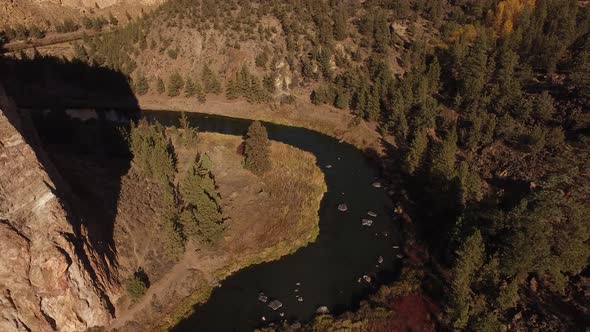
{"points": [[286, 216]]}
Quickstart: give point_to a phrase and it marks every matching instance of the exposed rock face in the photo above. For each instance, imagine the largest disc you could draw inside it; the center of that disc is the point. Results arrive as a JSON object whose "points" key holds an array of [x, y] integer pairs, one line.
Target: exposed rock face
{"points": [[45, 281], [94, 3]]}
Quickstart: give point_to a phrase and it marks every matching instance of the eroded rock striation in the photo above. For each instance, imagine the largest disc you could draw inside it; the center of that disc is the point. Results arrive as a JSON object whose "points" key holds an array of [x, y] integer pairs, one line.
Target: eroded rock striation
{"points": [[46, 279]]}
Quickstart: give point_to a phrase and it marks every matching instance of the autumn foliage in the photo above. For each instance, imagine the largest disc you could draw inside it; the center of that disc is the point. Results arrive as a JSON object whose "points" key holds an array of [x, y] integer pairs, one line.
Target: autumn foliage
{"points": [[506, 12]]}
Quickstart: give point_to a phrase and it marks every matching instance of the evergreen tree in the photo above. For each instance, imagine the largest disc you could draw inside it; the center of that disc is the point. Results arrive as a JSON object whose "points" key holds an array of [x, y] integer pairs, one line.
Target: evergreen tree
{"points": [[257, 149], [201, 216], [200, 92], [175, 84], [373, 110], [341, 99], [360, 104], [211, 83], [416, 151], [141, 86], [381, 33], [443, 156], [340, 27], [470, 259], [581, 71], [190, 89], [543, 107]]}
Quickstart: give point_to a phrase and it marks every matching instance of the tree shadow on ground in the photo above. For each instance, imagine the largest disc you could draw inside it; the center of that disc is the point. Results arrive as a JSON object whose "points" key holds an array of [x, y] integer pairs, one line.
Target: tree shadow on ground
{"points": [[84, 159]]}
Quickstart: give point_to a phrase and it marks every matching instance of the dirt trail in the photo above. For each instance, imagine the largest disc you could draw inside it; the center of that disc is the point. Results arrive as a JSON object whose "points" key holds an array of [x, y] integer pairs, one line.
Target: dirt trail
{"points": [[189, 263]]}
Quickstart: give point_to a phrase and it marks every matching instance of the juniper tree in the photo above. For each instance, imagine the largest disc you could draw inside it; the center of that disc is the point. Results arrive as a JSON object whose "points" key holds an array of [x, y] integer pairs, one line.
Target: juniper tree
{"points": [[160, 86], [257, 149]]}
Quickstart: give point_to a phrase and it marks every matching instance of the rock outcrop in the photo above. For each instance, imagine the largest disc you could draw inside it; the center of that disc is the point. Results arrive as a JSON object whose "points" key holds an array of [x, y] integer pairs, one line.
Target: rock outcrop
{"points": [[46, 280]]}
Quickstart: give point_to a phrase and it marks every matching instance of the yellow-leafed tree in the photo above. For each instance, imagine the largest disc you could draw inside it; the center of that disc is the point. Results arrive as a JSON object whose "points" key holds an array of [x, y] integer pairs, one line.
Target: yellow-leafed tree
{"points": [[506, 12]]}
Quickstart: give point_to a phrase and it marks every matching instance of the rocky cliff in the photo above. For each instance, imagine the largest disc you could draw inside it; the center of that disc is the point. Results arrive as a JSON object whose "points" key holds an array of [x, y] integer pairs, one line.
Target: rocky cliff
{"points": [[47, 281], [43, 12], [95, 3]]}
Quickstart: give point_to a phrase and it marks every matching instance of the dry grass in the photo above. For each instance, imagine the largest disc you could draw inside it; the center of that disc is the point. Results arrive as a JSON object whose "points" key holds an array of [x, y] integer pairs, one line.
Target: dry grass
{"points": [[269, 216]]}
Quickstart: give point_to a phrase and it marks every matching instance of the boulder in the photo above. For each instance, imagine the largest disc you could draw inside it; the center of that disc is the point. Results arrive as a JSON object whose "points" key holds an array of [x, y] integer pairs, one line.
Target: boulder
{"points": [[371, 214], [262, 298], [342, 207], [275, 304], [322, 310], [366, 222]]}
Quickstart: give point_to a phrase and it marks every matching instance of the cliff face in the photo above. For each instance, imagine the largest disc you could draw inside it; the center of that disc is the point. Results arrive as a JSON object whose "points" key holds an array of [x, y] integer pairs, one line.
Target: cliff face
{"points": [[46, 280], [94, 3], [39, 12]]}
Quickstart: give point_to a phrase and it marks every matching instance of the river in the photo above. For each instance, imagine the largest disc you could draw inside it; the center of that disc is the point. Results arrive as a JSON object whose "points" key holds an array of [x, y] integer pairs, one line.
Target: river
{"points": [[328, 272]]}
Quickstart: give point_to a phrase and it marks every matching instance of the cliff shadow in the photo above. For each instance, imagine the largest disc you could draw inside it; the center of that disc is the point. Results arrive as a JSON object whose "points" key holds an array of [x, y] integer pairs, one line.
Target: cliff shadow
{"points": [[84, 153]]}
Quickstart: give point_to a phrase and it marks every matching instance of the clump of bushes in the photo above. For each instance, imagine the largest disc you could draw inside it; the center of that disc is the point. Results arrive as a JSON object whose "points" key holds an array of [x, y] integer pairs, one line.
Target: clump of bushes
{"points": [[138, 285]]}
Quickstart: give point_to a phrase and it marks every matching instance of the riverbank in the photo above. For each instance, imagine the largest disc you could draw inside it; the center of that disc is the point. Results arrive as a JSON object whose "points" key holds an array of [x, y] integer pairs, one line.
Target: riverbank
{"points": [[340, 124], [267, 218]]}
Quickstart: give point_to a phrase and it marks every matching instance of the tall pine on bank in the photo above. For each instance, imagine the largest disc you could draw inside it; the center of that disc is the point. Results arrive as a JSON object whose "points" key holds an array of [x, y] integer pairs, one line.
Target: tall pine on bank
{"points": [[257, 149]]}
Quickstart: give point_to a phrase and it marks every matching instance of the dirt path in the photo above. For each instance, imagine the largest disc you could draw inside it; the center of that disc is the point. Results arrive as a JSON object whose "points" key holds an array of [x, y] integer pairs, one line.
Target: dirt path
{"points": [[187, 264]]}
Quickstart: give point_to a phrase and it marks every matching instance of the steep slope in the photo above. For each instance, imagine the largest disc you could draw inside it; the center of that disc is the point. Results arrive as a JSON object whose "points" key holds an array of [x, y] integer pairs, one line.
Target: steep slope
{"points": [[45, 280]]}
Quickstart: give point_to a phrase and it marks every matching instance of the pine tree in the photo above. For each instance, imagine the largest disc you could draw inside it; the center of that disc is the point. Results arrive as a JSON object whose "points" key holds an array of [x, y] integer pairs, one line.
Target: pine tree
{"points": [[417, 149], [381, 34], [340, 28], [201, 96], [211, 83], [232, 90], [434, 76], [257, 149], [341, 101], [373, 110], [141, 86], [470, 259], [201, 216], [581, 71], [190, 88], [360, 104], [175, 84], [444, 156]]}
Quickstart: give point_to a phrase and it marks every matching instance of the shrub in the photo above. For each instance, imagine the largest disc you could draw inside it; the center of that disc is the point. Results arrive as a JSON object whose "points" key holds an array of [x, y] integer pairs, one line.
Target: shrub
{"points": [[137, 286]]}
